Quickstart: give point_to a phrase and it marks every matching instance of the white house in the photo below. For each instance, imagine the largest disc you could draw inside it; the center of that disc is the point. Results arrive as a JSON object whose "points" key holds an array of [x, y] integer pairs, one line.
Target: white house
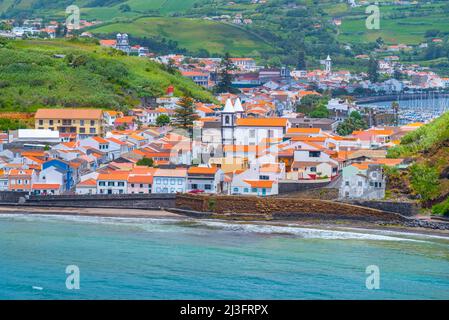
{"points": [[112, 183], [362, 181], [170, 181], [88, 186], [206, 179]]}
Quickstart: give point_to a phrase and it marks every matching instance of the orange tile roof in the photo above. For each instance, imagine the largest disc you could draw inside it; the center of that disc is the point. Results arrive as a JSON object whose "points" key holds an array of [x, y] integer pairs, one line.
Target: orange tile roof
{"points": [[87, 183], [360, 166], [113, 176], [304, 130], [100, 140], [389, 162], [20, 172], [45, 186], [145, 179], [91, 114], [179, 172], [126, 119], [270, 167], [262, 122], [260, 183], [202, 170]]}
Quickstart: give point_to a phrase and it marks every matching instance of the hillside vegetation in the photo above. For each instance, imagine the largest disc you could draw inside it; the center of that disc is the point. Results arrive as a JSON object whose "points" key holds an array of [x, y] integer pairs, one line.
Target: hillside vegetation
{"points": [[192, 34], [282, 30], [74, 73], [428, 178]]}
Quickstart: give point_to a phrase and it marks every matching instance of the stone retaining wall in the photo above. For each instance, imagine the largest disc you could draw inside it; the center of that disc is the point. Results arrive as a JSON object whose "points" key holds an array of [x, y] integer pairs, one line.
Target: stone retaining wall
{"points": [[134, 201], [283, 208], [11, 196], [404, 208]]}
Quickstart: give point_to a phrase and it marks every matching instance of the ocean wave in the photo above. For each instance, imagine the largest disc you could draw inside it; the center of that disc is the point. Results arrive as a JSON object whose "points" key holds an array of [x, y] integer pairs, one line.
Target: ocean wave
{"points": [[189, 225], [307, 233]]}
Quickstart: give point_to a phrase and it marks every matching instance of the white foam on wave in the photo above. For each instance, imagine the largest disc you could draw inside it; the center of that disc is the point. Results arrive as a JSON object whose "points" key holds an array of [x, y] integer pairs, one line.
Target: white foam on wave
{"points": [[89, 219], [175, 225], [307, 233]]}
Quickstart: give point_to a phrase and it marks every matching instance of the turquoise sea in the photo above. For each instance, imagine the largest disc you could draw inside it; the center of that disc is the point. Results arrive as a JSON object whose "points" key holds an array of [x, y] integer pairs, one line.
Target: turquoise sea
{"points": [[123, 258]]}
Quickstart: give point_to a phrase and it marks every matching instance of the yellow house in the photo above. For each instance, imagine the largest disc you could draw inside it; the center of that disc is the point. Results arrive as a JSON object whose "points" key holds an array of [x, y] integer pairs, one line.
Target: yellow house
{"points": [[84, 122]]}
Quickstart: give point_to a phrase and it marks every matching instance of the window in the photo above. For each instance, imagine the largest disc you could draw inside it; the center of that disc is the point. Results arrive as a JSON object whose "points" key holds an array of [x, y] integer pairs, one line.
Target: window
{"points": [[346, 183], [172, 181], [270, 133], [254, 190], [264, 178], [121, 184], [312, 169], [41, 122], [179, 182], [141, 185], [92, 122], [227, 120], [236, 189], [92, 130], [81, 122], [101, 183], [314, 154], [110, 183], [246, 190], [359, 183], [194, 186], [252, 133], [207, 187], [380, 184], [82, 130], [50, 122], [132, 185]]}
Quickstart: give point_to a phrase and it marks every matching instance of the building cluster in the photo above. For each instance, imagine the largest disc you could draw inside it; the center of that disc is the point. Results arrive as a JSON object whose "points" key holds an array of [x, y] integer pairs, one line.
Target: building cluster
{"points": [[242, 146], [38, 28], [121, 42]]}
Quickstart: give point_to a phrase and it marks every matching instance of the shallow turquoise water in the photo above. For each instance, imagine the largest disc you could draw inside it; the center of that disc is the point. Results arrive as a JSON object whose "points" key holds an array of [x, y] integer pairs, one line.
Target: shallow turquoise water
{"points": [[186, 259]]}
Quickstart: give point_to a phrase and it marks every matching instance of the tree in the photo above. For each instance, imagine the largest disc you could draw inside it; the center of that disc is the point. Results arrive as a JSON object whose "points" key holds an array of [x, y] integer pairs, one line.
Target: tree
{"points": [[185, 114], [373, 70], [162, 120], [424, 181], [148, 162], [125, 8], [302, 64], [225, 75], [352, 123]]}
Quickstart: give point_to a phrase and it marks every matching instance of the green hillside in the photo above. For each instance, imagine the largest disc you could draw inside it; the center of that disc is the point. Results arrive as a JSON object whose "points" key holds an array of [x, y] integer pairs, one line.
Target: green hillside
{"points": [[192, 34], [88, 76], [279, 32], [428, 178]]}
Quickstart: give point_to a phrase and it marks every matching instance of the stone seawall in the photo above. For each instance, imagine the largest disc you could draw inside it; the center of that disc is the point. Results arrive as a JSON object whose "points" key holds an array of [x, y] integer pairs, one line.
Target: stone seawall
{"points": [[289, 186], [283, 208], [404, 208], [134, 201], [11, 196]]}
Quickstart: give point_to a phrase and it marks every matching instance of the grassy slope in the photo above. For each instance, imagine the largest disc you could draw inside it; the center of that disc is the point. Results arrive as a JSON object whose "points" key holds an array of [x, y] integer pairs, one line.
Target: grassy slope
{"points": [[32, 77], [192, 34], [393, 29], [428, 146]]}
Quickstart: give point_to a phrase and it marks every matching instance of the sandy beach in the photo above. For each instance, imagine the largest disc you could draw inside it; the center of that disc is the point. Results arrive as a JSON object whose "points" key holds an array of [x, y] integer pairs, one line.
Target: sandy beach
{"points": [[101, 212]]}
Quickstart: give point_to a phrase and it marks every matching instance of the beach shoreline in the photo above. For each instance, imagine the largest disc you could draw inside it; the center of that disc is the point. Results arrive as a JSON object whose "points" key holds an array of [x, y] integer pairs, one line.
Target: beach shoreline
{"points": [[154, 214]]}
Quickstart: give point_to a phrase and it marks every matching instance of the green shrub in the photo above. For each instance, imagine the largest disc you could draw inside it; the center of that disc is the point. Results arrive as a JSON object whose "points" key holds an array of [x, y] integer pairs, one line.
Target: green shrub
{"points": [[441, 208], [424, 181]]}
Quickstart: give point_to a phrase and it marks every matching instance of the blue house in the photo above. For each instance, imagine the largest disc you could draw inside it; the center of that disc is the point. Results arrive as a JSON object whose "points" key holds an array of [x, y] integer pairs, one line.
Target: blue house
{"points": [[62, 166]]}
